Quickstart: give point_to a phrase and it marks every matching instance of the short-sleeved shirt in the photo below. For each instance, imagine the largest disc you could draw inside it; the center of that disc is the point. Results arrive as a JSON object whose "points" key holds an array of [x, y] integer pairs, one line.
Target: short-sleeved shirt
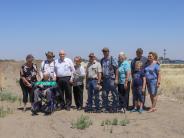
{"points": [[109, 66], [47, 67], [93, 69], [79, 75], [151, 71], [29, 72], [123, 69], [138, 78], [142, 59], [64, 68]]}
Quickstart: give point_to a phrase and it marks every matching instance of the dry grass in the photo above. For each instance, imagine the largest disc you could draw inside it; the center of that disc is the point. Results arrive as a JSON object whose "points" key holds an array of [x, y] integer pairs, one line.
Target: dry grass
{"points": [[173, 81]]}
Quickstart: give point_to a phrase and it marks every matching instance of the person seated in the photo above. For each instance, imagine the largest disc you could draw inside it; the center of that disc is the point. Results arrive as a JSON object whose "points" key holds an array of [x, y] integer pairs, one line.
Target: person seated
{"points": [[44, 91]]}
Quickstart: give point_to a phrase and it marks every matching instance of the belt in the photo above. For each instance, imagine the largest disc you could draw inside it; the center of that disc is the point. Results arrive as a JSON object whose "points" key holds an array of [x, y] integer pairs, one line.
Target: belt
{"points": [[92, 79], [64, 77]]}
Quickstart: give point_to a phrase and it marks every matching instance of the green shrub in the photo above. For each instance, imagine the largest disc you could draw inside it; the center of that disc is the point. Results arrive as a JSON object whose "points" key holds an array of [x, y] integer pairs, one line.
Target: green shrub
{"points": [[82, 123], [115, 122]]}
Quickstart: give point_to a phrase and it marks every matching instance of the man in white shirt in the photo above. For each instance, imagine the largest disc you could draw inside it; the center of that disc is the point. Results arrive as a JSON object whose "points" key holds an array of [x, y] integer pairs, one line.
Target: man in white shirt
{"points": [[64, 69], [47, 66]]}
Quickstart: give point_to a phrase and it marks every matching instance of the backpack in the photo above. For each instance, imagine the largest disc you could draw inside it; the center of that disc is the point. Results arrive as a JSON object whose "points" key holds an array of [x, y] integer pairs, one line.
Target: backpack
{"points": [[43, 67]]}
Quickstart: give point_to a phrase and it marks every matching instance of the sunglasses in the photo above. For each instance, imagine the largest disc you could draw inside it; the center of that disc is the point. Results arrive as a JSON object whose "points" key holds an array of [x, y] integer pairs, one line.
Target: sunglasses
{"points": [[105, 51]]}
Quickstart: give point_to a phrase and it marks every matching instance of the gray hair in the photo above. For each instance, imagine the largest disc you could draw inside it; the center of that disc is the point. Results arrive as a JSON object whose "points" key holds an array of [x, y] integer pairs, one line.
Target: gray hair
{"points": [[122, 54]]}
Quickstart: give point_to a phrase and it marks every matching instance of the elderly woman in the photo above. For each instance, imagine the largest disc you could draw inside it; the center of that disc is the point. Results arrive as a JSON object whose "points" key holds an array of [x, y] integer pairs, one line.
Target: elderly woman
{"points": [[78, 84], [123, 79], [153, 78], [28, 75]]}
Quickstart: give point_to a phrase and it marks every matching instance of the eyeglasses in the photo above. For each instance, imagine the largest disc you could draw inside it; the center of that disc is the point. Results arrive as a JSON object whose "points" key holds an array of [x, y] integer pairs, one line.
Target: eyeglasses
{"points": [[61, 54]]}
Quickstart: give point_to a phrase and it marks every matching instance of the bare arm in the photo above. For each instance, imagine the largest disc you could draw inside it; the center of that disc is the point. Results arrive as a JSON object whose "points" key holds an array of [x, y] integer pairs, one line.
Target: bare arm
{"points": [[144, 84], [128, 74], [25, 81], [99, 77], [159, 79], [117, 77]]}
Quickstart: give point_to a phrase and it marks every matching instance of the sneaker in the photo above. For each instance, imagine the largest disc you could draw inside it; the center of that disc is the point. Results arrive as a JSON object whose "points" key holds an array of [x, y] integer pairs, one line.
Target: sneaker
{"points": [[133, 110], [88, 110], [122, 110], [79, 108], [140, 110], [97, 111], [34, 112], [105, 110], [68, 109], [114, 110]]}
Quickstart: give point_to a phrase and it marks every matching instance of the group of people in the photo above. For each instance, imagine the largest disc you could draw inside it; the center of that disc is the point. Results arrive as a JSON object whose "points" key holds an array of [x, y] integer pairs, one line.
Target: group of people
{"points": [[108, 80]]}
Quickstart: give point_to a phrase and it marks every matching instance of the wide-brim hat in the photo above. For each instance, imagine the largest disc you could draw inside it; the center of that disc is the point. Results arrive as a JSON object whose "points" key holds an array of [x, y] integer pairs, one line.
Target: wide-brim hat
{"points": [[91, 55], [50, 54]]}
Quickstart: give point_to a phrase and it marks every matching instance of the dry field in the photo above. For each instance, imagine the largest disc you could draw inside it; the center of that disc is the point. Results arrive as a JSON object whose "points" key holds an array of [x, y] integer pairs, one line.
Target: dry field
{"points": [[167, 122], [173, 81]]}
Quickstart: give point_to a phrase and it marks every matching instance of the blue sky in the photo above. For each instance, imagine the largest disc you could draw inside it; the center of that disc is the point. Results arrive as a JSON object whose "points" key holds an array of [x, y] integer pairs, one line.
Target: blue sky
{"points": [[84, 26]]}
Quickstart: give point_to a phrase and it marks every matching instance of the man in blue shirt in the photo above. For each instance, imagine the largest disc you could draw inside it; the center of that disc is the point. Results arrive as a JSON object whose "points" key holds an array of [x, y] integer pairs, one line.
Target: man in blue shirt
{"points": [[144, 60], [109, 67]]}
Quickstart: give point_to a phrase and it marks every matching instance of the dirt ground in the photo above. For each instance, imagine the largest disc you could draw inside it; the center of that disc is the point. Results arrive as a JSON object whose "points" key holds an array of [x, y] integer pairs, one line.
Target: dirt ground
{"points": [[167, 122]]}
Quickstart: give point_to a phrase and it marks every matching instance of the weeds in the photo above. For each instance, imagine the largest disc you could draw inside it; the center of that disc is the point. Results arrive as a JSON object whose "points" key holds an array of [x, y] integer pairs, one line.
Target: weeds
{"points": [[4, 112], [115, 122], [7, 96], [82, 123], [124, 122]]}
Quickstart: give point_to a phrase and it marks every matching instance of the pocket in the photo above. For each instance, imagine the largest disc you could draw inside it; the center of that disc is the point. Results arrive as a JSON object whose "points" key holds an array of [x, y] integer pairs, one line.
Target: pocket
{"points": [[94, 70]]}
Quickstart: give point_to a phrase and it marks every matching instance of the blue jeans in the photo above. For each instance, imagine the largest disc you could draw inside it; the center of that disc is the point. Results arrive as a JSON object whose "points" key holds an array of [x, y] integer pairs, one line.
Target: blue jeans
{"points": [[92, 92], [138, 94], [108, 85], [152, 87]]}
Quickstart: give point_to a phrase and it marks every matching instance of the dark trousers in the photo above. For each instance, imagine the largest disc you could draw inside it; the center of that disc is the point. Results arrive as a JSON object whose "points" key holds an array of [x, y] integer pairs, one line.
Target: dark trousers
{"points": [[123, 95], [38, 94], [26, 91], [65, 91], [78, 95]]}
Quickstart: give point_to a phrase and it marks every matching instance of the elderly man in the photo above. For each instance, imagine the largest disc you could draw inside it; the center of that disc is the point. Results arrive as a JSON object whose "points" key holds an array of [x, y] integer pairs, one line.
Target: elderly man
{"points": [[47, 66], [93, 79], [109, 67], [64, 69]]}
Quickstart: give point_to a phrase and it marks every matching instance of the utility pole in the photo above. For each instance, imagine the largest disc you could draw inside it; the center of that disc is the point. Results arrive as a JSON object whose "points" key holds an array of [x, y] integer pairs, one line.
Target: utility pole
{"points": [[165, 55]]}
